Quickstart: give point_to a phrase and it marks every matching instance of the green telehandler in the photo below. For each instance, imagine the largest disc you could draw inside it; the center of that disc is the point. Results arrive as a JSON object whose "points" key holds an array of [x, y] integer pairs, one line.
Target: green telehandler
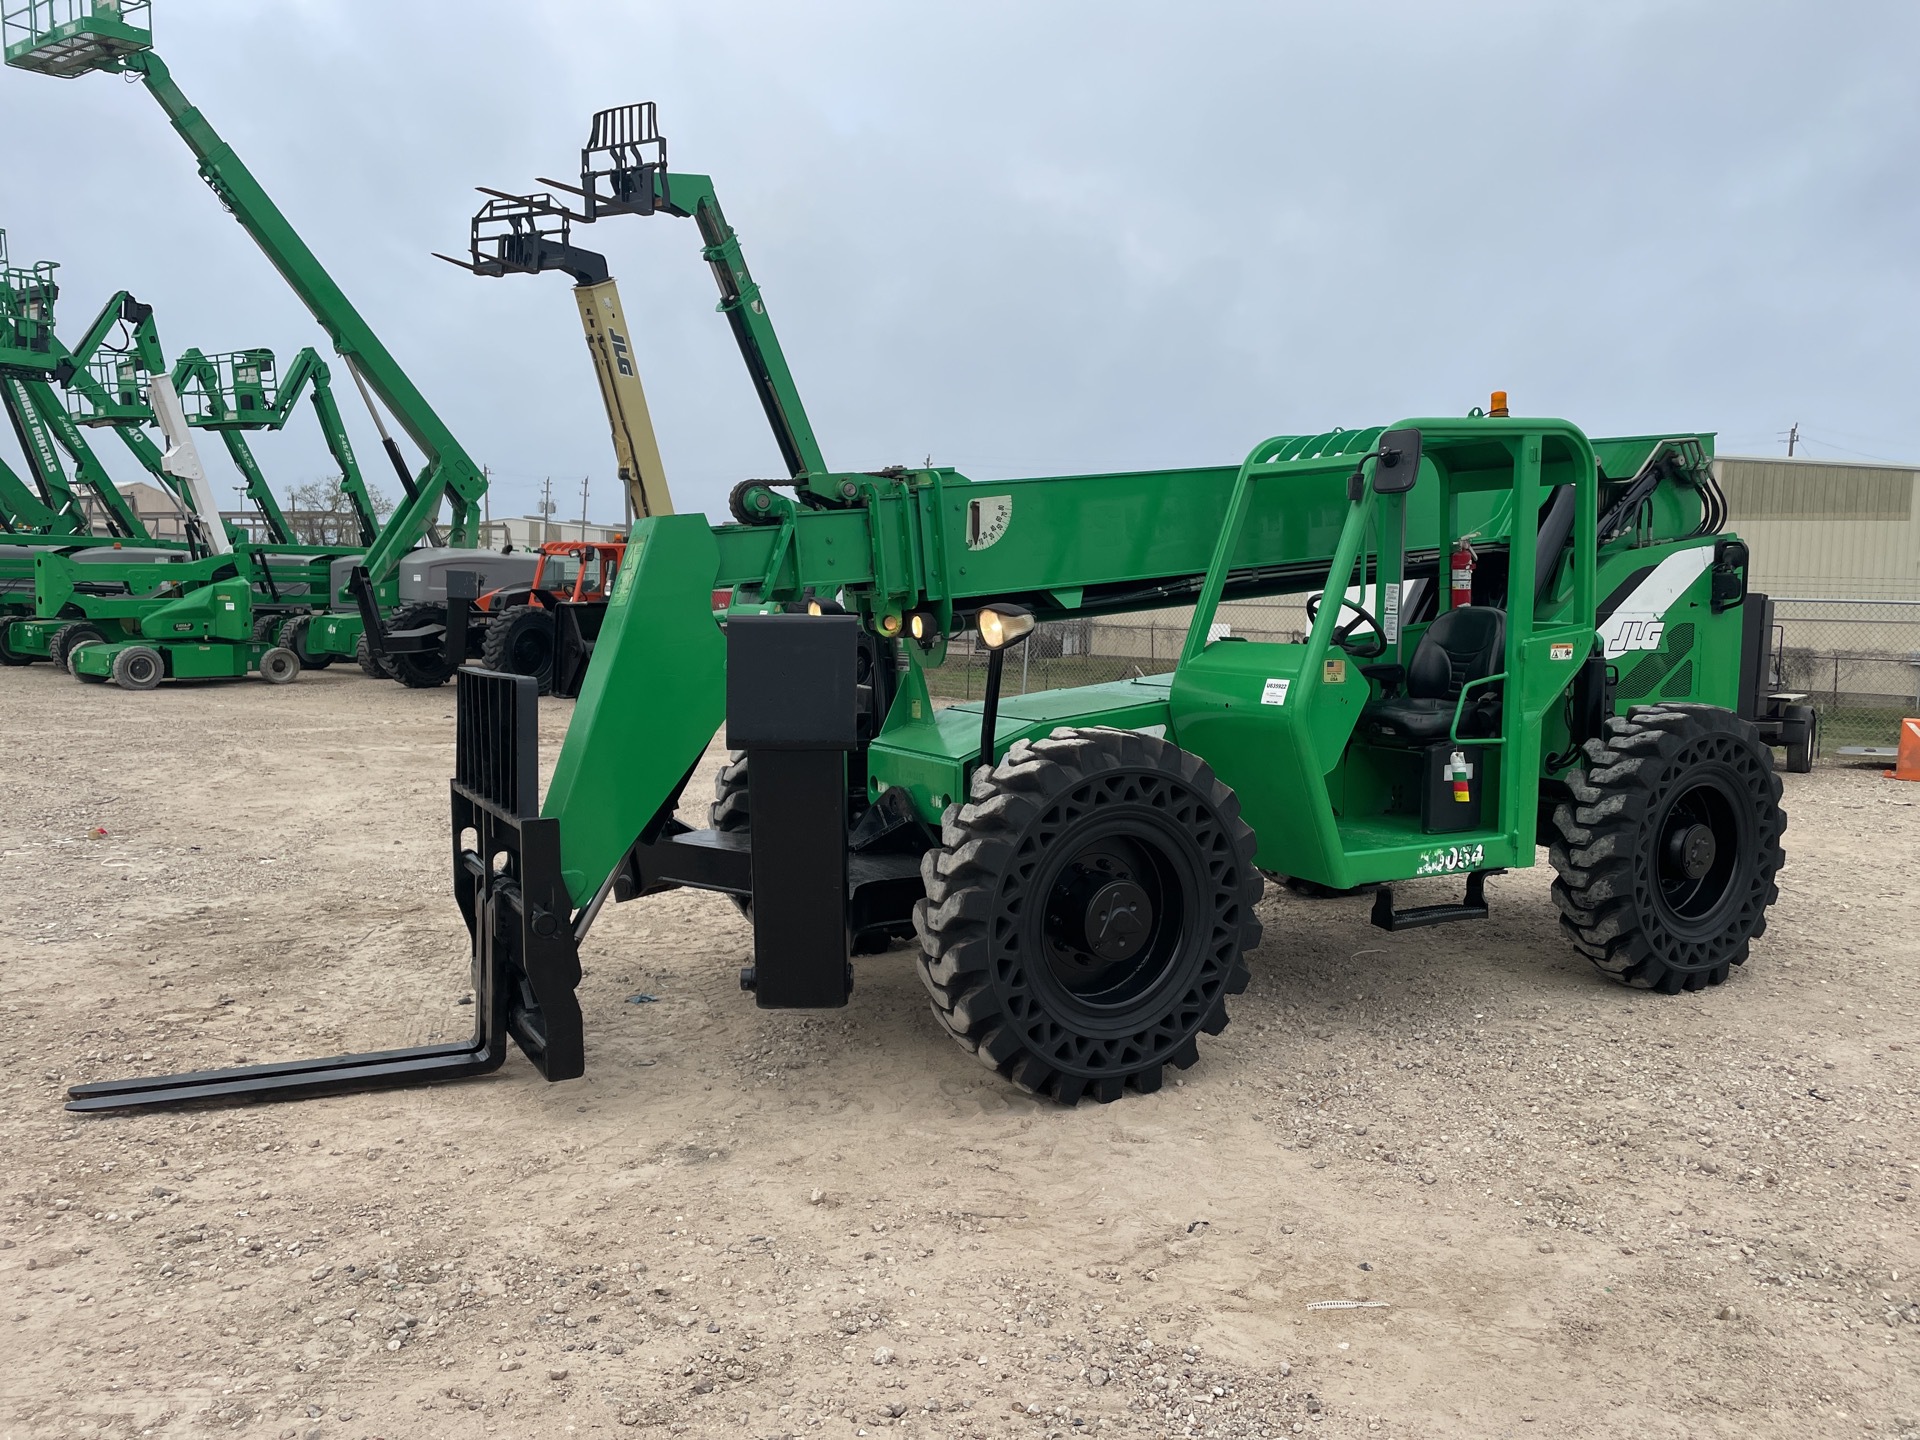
{"points": [[1079, 869]]}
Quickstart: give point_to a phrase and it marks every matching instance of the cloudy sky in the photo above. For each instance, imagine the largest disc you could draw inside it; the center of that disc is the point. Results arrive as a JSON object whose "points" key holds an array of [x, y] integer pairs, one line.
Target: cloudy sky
{"points": [[1031, 238]]}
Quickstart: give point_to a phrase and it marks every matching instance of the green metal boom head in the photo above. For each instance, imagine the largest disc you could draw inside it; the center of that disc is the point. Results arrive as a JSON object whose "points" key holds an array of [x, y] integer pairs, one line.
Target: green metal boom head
{"points": [[27, 296], [68, 38], [238, 390]]}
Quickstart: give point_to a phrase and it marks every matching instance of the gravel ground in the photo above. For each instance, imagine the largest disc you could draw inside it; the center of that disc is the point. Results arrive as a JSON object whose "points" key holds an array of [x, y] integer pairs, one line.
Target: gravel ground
{"points": [[1542, 1205]]}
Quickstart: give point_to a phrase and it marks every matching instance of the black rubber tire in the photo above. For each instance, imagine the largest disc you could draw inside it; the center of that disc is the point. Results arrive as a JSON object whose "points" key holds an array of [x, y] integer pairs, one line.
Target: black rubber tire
{"points": [[265, 627], [280, 666], [419, 670], [1627, 896], [363, 656], [1805, 741], [139, 667], [729, 812], [293, 636], [992, 946], [73, 670], [729, 809], [8, 656], [66, 635], [520, 641]]}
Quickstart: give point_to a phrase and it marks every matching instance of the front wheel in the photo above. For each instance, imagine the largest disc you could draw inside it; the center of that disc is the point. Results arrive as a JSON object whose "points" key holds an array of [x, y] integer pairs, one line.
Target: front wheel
{"points": [[8, 655], [520, 641], [374, 667], [73, 663], [279, 666], [139, 667], [69, 635], [1088, 913], [293, 636], [1667, 856], [422, 669]]}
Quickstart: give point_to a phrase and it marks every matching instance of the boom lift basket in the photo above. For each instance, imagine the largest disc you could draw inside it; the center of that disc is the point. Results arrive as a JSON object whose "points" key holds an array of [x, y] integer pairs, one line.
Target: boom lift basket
{"points": [[66, 38], [244, 393]]}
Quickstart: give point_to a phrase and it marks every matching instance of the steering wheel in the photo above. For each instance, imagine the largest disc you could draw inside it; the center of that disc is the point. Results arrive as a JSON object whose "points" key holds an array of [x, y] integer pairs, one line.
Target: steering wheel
{"points": [[1342, 634]]}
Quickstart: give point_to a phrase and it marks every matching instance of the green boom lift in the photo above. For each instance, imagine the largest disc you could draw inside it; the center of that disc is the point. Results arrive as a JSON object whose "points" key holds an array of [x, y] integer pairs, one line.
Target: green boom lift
{"points": [[427, 638], [1080, 868], [32, 361], [72, 596]]}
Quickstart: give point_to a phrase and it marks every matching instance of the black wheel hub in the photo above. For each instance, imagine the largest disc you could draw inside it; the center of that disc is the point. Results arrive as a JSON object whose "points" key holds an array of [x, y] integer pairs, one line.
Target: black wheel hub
{"points": [[1691, 851], [1112, 923], [1099, 915], [532, 651], [1698, 850]]}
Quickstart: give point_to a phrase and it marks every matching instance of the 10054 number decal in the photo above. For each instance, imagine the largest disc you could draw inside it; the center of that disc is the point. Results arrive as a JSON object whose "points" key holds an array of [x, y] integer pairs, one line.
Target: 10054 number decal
{"points": [[1453, 858]]}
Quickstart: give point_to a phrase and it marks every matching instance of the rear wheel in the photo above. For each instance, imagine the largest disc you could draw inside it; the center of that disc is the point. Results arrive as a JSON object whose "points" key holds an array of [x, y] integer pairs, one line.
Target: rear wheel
{"points": [[375, 669], [73, 667], [139, 667], [1667, 856], [279, 666], [421, 669], [8, 655], [63, 640], [520, 641], [1802, 738], [293, 636], [1088, 913], [265, 627]]}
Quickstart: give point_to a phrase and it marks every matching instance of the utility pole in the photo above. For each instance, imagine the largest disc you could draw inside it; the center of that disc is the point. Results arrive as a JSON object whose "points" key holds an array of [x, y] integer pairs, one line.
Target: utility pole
{"points": [[1793, 436], [486, 496], [585, 481], [546, 509]]}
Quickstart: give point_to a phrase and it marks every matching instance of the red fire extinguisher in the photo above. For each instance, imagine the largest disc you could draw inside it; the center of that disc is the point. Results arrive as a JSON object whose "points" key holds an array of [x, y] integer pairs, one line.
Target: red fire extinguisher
{"points": [[1461, 564]]}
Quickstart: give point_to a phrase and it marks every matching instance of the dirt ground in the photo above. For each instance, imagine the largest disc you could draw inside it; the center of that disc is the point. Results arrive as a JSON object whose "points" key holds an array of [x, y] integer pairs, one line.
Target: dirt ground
{"points": [[1570, 1209]]}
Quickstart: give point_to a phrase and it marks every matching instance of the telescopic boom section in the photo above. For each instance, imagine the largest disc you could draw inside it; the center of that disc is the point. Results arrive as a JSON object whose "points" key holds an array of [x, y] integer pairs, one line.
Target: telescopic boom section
{"points": [[531, 234], [623, 171], [450, 474]]}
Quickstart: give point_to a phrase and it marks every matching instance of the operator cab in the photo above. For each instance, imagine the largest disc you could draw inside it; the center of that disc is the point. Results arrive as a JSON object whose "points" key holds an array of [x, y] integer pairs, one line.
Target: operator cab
{"points": [[1391, 728], [1417, 700]]}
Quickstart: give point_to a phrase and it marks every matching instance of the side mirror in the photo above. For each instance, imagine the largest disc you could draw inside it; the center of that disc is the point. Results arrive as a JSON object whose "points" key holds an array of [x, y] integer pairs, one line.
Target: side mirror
{"points": [[1399, 463]]}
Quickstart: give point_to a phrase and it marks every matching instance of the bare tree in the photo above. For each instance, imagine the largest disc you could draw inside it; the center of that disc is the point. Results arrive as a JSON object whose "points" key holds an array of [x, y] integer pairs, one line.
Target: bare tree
{"points": [[321, 513]]}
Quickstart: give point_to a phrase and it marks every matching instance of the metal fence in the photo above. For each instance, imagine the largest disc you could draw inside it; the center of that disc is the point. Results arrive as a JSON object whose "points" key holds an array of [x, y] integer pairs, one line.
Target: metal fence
{"points": [[1857, 661]]}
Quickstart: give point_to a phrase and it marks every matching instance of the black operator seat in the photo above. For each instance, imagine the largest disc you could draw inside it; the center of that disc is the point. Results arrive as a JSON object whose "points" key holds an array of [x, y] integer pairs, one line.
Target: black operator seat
{"points": [[1460, 646]]}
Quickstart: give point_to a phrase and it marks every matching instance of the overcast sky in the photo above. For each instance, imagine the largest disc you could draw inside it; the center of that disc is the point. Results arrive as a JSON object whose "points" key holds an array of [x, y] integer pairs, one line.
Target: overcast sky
{"points": [[1033, 238]]}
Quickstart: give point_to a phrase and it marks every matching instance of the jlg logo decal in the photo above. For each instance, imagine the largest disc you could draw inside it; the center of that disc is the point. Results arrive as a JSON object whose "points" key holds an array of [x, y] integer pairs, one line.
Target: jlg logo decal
{"points": [[1635, 635], [1638, 621]]}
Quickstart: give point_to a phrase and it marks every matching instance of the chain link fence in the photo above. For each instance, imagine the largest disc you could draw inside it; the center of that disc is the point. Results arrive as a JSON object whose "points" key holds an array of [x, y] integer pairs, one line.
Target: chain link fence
{"points": [[1856, 661]]}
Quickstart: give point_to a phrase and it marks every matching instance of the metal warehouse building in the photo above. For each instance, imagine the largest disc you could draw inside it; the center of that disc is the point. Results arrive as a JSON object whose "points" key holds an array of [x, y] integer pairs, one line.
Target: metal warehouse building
{"points": [[1823, 528], [1837, 545]]}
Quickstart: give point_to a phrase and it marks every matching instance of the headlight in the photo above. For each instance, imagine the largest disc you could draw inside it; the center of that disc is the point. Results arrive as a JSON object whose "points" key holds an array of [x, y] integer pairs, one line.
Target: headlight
{"points": [[1004, 625]]}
